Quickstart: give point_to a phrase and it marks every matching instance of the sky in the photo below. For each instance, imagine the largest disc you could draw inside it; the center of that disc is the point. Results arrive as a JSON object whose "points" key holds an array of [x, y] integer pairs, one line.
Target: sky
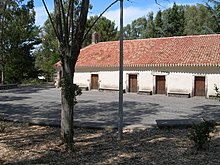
{"points": [[133, 9]]}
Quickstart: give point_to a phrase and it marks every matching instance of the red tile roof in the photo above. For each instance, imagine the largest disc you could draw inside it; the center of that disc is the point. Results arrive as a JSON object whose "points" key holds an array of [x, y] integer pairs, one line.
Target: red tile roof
{"points": [[198, 50]]}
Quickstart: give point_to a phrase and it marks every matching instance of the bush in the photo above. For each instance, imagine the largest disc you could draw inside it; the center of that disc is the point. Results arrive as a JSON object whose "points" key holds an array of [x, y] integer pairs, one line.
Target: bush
{"points": [[216, 91], [31, 81], [200, 133], [2, 129]]}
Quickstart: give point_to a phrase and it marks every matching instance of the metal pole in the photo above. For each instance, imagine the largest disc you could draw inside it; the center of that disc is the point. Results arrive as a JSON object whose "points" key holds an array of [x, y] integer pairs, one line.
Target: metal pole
{"points": [[120, 119]]}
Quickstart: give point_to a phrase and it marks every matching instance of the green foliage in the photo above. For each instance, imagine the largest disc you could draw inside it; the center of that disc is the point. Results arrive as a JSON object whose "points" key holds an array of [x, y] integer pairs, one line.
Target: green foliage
{"points": [[104, 27], [19, 35], [150, 31], [216, 90], [178, 20], [158, 24], [213, 7], [198, 20], [71, 90], [32, 81], [2, 129], [200, 133], [136, 30], [47, 54], [127, 32], [173, 21]]}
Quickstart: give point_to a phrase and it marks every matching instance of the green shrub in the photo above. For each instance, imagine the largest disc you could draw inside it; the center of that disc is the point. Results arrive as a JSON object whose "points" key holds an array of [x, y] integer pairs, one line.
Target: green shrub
{"points": [[2, 129], [31, 81], [200, 133]]}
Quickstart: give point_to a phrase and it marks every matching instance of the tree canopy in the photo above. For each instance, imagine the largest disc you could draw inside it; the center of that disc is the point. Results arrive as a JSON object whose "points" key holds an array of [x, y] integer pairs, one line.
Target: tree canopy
{"points": [[177, 20], [104, 27], [19, 35], [47, 53]]}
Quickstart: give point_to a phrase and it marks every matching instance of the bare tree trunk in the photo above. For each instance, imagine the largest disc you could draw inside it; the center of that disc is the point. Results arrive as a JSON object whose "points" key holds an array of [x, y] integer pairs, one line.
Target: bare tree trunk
{"points": [[67, 100], [2, 76], [70, 36]]}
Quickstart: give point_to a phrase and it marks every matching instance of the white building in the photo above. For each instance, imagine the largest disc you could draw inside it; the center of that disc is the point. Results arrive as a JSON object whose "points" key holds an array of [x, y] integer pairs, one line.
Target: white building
{"points": [[184, 66]]}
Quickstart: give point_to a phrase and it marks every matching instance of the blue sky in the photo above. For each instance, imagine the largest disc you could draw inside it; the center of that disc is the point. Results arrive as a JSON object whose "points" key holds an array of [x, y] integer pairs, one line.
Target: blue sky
{"points": [[133, 9]]}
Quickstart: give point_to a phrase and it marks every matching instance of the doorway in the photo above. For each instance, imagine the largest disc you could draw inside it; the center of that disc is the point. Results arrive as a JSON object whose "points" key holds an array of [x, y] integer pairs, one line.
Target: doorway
{"points": [[133, 83], [199, 86], [94, 81], [160, 85]]}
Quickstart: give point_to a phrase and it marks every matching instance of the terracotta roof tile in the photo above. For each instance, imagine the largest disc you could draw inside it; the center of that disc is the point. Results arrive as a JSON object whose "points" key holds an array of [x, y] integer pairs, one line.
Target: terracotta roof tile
{"points": [[175, 51]]}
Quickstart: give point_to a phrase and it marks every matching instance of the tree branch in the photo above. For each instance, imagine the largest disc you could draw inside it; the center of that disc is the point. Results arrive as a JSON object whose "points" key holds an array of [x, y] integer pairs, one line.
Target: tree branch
{"points": [[58, 18], [157, 3], [80, 27], [66, 33], [51, 20], [70, 18], [87, 32]]}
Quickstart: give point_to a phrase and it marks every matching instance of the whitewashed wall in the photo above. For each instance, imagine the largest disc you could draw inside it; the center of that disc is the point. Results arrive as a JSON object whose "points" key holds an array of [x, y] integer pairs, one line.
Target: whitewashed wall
{"points": [[178, 81], [82, 79], [109, 80], [212, 80], [145, 81]]}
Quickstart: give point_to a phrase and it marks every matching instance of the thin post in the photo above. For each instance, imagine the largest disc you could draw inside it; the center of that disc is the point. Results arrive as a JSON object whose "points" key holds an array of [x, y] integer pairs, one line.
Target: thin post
{"points": [[120, 119]]}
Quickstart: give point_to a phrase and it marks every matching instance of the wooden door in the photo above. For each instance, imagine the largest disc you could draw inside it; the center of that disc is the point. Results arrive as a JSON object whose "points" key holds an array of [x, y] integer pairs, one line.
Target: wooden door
{"points": [[94, 81], [199, 87], [133, 83], [160, 85]]}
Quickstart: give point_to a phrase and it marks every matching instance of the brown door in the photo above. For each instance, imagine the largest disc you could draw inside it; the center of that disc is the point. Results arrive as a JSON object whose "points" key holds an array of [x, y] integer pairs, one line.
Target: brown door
{"points": [[199, 88], [133, 83], [94, 81], [160, 85]]}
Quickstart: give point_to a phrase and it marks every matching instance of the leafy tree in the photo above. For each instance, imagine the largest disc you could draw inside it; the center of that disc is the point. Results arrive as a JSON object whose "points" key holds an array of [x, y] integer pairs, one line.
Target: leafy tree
{"points": [[47, 54], [127, 32], [104, 27], [173, 21], [198, 20], [213, 7], [138, 28], [150, 30], [20, 36], [177, 21], [159, 24]]}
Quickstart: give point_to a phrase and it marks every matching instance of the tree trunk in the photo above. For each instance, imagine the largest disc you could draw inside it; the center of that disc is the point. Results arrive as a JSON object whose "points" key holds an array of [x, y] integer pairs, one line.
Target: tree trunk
{"points": [[67, 101], [70, 38], [2, 76]]}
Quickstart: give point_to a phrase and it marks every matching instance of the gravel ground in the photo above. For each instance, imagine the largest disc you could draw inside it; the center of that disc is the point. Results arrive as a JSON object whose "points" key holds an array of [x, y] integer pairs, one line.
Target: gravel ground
{"points": [[32, 144]]}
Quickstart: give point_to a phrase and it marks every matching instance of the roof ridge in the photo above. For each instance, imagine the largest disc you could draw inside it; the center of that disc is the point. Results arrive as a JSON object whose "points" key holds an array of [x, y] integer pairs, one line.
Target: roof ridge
{"points": [[174, 37], [160, 38]]}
